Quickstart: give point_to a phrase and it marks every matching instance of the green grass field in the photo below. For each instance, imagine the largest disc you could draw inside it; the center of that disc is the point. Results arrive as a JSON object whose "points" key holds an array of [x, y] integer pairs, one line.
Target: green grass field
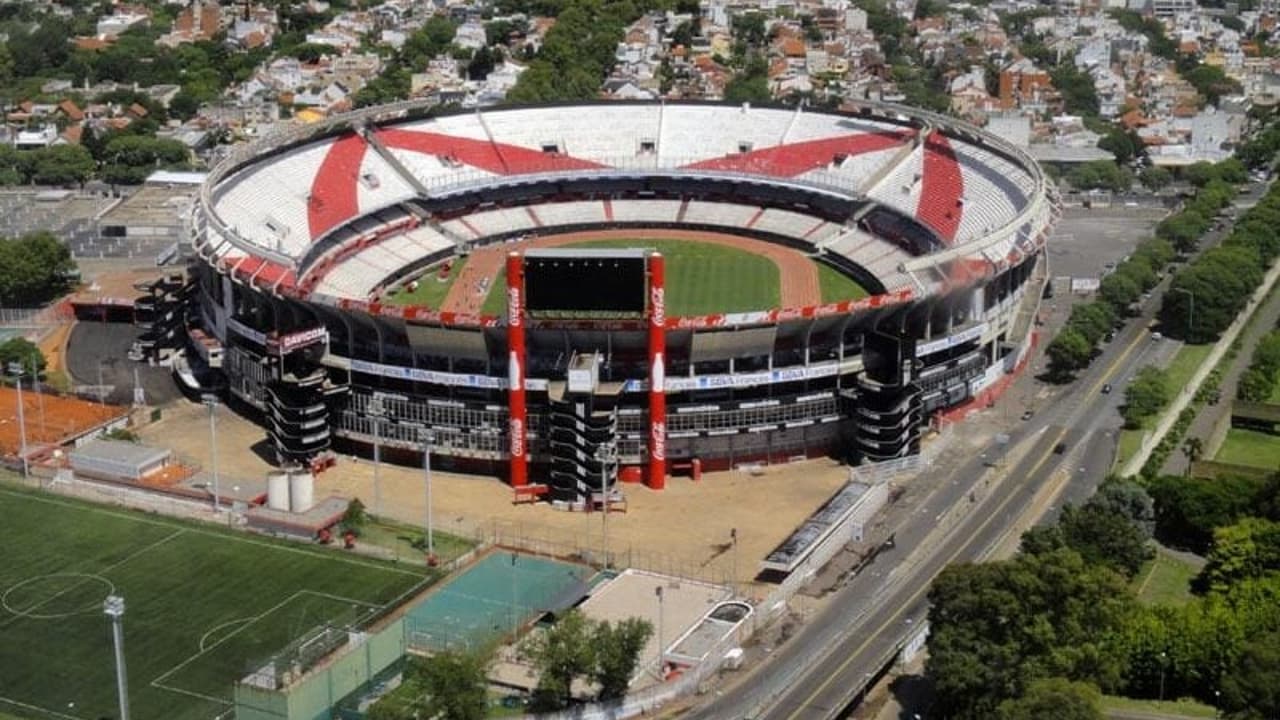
{"points": [[1185, 363], [703, 278], [1157, 708], [431, 290], [203, 606], [837, 286], [1250, 447], [1164, 580]]}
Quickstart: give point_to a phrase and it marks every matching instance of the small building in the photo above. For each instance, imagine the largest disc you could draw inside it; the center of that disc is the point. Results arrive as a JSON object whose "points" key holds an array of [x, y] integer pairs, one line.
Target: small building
{"points": [[118, 460]]}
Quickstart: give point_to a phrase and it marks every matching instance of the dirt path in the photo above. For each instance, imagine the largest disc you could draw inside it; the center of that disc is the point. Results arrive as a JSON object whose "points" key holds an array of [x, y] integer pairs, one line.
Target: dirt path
{"points": [[798, 276]]}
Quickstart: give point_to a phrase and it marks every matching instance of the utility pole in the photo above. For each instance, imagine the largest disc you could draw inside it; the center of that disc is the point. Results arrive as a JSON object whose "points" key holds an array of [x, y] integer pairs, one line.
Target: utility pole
{"points": [[113, 607]]}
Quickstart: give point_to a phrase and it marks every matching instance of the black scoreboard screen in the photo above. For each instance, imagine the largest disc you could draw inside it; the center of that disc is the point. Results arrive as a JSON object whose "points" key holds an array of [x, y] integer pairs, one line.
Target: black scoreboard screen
{"points": [[585, 283]]}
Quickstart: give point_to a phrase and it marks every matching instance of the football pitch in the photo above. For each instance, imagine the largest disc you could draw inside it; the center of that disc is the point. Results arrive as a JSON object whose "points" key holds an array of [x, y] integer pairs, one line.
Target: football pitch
{"points": [[706, 278], [202, 607]]}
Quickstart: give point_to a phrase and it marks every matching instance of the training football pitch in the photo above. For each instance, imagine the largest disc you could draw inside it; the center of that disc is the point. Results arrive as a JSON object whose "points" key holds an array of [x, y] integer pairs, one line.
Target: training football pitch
{"points": [[202, 607]]}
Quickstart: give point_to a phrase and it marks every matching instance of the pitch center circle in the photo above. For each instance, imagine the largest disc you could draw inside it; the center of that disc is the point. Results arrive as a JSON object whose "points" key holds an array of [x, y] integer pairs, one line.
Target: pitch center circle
{"points": [[56, 595]]}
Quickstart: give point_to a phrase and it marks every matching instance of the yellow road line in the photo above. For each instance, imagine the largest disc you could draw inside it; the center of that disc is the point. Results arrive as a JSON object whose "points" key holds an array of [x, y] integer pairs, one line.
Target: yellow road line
{"points": [[903, 607]]}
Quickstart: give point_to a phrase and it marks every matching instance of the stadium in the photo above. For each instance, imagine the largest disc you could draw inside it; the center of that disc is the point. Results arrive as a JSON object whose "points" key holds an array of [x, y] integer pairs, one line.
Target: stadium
{"points": [[570, 295]]}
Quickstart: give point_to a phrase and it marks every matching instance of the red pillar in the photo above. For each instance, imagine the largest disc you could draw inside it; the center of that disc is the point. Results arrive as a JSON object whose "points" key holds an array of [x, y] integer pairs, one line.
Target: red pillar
{"points": [[517, 438], [657, 372]]}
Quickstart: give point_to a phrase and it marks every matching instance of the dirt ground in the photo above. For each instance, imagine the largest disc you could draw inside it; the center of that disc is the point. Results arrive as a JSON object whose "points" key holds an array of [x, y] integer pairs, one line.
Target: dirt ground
{"points": [[684, 529]]}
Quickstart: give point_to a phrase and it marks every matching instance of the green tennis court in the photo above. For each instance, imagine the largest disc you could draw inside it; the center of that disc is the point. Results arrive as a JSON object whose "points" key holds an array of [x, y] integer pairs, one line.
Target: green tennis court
{"points": [[501, 592]]}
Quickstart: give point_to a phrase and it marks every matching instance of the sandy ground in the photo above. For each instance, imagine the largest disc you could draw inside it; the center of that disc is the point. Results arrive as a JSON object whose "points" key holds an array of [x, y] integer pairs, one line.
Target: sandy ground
{"points": [[684, 529]]}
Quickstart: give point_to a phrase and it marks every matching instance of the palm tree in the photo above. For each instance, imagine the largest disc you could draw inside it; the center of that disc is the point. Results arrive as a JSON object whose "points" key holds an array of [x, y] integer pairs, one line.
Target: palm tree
{"points": [[1192, 448]]}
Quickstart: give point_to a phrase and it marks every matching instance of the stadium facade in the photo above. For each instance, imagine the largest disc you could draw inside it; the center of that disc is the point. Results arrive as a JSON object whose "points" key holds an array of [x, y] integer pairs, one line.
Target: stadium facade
{"points": [[299, 239]]}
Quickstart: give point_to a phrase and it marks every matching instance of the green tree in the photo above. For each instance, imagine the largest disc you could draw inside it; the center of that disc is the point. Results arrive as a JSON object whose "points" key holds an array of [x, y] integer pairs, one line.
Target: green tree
{"points": [[1055, 699], [1068, 352], [995, 628], [1188, 508], [1104, 537], [355, 516], [1251, 688], [1183, 230], [1129, 500], [33, 269], [61, 165], [23, 352], [617, 653], [1192, 449], [749, 27], [1119, 291], [1199, 173], [1123, 144], [560, 654], [1247, 549], [1145, 396], [1155, 177], [456, 685], [1100, 175], [1079, 96], [131, 158]]}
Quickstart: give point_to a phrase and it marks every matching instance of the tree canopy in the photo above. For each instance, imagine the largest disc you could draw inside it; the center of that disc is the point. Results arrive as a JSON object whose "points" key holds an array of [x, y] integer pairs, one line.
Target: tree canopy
{"points": [[34, 269]]}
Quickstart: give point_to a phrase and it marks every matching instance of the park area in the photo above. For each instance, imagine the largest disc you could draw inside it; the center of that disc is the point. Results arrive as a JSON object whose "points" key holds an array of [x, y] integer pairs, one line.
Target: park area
{"points": [[702, 278], [204, 607]]}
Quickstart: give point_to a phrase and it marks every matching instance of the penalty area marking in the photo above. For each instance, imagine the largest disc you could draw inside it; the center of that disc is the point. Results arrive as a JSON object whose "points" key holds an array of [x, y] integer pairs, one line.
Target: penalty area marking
{"points": [[159, 681]]}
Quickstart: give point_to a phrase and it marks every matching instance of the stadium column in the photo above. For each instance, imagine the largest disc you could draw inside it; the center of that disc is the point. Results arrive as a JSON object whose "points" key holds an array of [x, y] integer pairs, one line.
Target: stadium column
{"points": [[657, 372], [517, 437]]}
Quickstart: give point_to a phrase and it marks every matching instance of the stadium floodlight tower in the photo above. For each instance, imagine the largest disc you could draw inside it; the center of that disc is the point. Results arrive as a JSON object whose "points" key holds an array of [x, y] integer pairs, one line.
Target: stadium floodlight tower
{"points": [[113, 607], [16, 370]]}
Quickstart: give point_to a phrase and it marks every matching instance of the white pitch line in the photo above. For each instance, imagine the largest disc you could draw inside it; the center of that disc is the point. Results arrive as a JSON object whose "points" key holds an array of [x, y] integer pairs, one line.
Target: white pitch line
{"points": [[210, 698], [37, 708], [234, 537], [340, 598], [229, 635], [218, 627], [107, 569]]}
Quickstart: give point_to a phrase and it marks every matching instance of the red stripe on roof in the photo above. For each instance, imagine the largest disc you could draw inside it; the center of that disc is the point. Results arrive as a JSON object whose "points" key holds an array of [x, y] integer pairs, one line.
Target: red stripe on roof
{"points": [[499, 158], [334, 197], [941, 188], [796, 158]]}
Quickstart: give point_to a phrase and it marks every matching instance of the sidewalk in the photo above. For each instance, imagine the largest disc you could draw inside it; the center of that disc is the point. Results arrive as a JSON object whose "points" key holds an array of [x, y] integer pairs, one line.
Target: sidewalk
{"points": [[1170, 414], [1264, 320]]}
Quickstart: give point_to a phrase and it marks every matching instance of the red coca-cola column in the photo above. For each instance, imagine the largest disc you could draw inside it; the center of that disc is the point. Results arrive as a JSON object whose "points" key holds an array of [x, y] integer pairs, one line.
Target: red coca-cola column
{"points": [[657, 372], [517, 440]]}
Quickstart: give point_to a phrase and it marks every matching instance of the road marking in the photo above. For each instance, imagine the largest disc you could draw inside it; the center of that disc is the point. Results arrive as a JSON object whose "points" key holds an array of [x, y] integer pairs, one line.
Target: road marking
{"points": [[915, 597]]}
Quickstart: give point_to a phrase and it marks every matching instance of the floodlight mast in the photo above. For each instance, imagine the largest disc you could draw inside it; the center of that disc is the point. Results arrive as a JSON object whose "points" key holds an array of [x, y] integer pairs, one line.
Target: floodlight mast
{"points": [[113, 607]]}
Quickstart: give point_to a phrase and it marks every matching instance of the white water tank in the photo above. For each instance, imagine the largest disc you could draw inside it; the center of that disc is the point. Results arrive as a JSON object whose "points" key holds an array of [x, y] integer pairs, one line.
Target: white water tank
{"points": [[301, 491], [278, 491]]}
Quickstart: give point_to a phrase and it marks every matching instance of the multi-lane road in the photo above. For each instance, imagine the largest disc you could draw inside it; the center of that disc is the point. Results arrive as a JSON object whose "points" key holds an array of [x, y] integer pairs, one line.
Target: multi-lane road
{"points": [[1057, 456]]}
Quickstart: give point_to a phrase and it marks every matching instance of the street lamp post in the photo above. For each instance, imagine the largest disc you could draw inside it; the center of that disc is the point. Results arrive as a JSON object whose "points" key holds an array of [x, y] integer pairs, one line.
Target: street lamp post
{"points": [[515, 629], [113, 607], [428, 439], [212, 402], [604, 454], [16, 369], [375, 411], [662, 652]]}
